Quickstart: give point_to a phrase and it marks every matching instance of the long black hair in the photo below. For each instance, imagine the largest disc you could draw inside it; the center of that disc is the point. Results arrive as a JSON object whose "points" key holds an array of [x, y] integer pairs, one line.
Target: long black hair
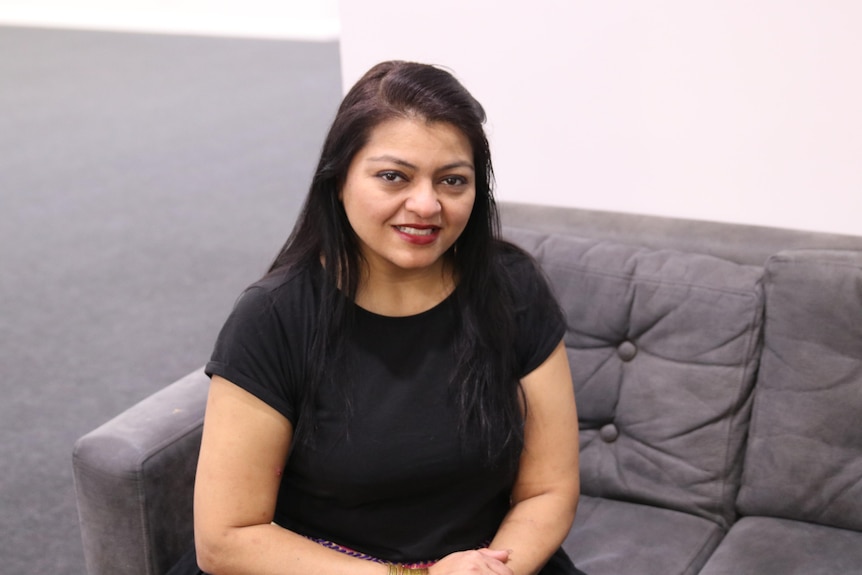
{"points": [[485, 382]]}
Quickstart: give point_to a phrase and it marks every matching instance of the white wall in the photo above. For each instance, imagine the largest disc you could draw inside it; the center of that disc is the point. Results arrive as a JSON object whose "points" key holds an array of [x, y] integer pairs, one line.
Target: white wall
{"points": [[731, 110], [285, 19]]}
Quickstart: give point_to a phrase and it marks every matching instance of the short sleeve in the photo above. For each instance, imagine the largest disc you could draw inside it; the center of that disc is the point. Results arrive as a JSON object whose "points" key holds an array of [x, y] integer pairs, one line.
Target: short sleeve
{"points": [[254, 351], [540, 321]]}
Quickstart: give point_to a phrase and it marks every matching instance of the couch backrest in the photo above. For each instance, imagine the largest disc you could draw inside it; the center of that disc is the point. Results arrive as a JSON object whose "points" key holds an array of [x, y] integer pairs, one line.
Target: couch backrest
{"points": [[663, 346], [804, 458], [740, 243]]}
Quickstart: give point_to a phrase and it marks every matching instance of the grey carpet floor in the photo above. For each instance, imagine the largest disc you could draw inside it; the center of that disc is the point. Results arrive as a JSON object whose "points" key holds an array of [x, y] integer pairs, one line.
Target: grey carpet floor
{"points": [[144, 180]]}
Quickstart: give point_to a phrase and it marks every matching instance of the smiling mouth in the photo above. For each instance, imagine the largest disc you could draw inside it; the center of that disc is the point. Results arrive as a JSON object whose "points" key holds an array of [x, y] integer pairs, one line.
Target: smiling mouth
{"points": [[416, 231]]}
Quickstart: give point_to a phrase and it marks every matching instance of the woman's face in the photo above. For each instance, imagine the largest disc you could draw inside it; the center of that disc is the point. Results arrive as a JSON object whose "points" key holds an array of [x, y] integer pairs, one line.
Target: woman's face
{"points": [[409, 193]]}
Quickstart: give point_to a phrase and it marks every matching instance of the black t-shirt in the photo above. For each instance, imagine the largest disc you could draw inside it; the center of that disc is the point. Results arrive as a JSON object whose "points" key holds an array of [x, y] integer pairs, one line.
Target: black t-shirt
{"points": [[398, 481]]}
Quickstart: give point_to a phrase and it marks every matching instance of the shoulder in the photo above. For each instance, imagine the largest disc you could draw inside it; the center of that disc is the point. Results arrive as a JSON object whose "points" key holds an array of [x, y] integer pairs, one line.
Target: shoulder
{"points": [[509, 252], [262, 346], [283, 292], [285, 281], [521, 276], [539, 321], [518, 269]]}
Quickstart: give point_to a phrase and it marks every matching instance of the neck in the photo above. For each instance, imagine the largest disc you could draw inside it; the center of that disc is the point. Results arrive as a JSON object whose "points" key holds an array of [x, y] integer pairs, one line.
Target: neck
{"points": [[405, 294]]}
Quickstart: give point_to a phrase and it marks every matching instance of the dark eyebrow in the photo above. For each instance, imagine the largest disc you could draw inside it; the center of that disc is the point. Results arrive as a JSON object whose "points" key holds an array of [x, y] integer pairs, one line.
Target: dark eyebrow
{"points": [[454, 165], [406, 164], [394, 160]]}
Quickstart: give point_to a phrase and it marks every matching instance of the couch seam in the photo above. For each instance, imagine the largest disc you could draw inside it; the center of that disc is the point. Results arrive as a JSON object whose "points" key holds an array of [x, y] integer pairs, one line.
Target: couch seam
{"points": [[751, 369], [702, 549]]}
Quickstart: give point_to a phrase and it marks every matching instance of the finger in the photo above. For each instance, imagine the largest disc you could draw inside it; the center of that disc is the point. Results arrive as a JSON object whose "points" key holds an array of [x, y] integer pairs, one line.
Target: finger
{"points": [[494, 561], [498, 554]]}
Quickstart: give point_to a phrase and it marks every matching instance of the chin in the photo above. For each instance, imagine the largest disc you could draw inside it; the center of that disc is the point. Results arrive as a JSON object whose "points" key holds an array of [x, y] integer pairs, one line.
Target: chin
{"points": [[416, 264]]}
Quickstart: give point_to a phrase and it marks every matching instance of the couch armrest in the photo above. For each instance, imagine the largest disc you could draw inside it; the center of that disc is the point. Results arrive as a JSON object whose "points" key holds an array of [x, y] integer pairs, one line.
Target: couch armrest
{"points": [[134, 481]]}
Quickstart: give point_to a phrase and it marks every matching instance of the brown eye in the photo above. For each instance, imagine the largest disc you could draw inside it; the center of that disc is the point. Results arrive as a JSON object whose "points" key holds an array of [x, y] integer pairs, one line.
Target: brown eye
{"points": [[390, 176], [454, 180]]}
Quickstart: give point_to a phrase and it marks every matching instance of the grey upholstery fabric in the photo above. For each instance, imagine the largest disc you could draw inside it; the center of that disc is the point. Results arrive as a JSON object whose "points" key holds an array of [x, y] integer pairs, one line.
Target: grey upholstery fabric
{"points": [[804, 457], [768, 546], [620, 538], [663, 347], [134, 478]]}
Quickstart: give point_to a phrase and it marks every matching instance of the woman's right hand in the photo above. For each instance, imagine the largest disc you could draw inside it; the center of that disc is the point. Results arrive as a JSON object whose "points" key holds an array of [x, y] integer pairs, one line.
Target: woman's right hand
{"points": [[477, 562]]}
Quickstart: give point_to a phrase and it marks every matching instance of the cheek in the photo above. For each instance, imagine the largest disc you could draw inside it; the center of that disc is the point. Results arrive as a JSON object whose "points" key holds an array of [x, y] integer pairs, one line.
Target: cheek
{"points": [[464, 210], [353, 203], [364, 211], [355, 217]]}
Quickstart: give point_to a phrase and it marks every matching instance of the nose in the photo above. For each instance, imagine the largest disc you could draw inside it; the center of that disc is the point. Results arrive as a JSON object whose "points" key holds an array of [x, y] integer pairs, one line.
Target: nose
{"points": [[423, 201]]}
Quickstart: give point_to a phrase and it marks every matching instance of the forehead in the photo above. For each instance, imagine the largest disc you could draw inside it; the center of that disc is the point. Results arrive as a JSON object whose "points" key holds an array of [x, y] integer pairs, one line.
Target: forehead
{"points": [[417, 138]]}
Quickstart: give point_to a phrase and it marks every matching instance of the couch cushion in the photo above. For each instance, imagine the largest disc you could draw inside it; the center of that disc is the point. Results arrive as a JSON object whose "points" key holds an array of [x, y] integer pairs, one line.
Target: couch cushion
{"points": [[663, 347], [768, 546], [619, 538], [804, 458]]}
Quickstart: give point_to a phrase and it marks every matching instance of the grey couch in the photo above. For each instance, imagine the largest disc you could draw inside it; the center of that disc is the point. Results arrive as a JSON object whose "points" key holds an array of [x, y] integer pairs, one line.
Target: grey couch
{"points": [[718, 371]]}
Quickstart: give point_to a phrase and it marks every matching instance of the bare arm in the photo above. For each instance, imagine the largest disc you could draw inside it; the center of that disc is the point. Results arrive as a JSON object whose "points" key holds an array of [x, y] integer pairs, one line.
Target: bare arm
{"points": [[545, 495], [244, 448]]}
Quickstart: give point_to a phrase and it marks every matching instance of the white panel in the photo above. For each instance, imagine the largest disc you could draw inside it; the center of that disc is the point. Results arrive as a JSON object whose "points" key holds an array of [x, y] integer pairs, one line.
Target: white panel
{"points": [[744, 111]]}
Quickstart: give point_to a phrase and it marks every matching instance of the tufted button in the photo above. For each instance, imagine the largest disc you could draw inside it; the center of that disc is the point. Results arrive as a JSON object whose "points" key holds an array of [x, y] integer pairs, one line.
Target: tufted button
{"points": [[627, 351], [609, 433]]}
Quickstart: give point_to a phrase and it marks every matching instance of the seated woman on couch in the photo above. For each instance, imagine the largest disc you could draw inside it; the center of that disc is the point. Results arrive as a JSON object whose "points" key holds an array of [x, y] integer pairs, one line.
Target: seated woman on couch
{"points": [[394, 395]]}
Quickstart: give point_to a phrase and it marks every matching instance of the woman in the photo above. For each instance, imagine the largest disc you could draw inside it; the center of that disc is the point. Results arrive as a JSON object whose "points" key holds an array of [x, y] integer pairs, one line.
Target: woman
{"points": [[394, 395]]}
